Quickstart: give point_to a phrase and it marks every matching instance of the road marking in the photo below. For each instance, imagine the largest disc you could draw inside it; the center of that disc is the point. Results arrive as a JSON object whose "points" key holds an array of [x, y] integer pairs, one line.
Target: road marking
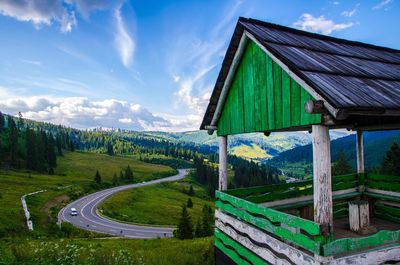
{"points": [[99, 196]]}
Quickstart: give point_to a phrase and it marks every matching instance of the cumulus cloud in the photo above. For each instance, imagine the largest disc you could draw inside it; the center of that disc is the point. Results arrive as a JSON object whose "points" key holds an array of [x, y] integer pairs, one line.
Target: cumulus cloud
{"points": [[39, 12], [81, 112], [123, 41], [45, 12], [320, 24], [382, 4]]}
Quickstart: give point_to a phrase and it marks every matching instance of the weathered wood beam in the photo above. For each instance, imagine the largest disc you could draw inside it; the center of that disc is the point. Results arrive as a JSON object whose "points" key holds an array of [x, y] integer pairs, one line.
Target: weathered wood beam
{"points": [[323, 213], [360, 152], [223, 163]]}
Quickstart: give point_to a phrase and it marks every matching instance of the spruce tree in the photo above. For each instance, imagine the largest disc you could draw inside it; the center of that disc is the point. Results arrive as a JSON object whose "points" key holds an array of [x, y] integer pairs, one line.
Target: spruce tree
{"points": [[2, 122], [391, 161], [31, 152], [208, 220], [51, 153], [191, 191], [185, 226], [13, 138], [97, 177], [189, 203], [115, 180], [128, 173], [341, 166], [59, 145], [198, 232]]}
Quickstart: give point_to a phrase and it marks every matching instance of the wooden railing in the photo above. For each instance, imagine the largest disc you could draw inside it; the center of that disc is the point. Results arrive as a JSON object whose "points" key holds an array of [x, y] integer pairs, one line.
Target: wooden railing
{"points": [[290, 190], [303, 233], [248, 230]]}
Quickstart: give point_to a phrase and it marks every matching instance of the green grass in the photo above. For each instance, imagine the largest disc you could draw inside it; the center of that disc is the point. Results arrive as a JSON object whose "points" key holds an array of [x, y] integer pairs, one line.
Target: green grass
{"points": [[80, 164], [107, 251], [159, 204], [73, 178], [249, 152]]}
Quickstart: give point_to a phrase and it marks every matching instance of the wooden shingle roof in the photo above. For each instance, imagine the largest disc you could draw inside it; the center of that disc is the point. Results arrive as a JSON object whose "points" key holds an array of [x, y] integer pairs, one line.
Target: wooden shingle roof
{"points": [[346, 74]]}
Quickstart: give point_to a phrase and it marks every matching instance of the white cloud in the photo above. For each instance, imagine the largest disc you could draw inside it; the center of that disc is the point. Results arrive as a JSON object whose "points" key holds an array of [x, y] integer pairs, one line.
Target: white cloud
{"points": [[124, 43], [45, 12], [320, 24], [39, 12], [350, 13], [81, 112], [33, 62], [382, 4]]}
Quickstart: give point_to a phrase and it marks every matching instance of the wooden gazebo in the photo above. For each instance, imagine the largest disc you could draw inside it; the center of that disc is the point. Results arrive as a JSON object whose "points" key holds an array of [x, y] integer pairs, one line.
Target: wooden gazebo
{"points": [[274, 79]]}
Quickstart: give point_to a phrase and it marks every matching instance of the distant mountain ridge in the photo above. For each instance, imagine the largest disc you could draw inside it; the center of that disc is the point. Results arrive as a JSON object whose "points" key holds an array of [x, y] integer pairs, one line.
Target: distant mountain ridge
{"points": [[254, 146], [376, 144]]}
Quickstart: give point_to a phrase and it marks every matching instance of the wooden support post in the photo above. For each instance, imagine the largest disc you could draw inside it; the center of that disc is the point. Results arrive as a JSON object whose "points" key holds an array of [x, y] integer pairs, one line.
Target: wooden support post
{"points": [[360, 152], [223, 163], [322, 177]]}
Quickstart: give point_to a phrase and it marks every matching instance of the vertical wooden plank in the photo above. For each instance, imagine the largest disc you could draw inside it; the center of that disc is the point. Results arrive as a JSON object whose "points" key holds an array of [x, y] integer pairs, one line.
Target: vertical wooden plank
{"points": [[234, 106], [278, 95], [240, 100], [295, 102], [255, 65], [286, 100], [322, 183], [263, 87], [270, 94], [304, 117], [251, 91], [223, 163]]}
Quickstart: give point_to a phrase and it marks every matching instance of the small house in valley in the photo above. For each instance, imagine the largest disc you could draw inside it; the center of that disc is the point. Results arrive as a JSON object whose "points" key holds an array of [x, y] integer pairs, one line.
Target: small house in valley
{"points": [[276, 79]]}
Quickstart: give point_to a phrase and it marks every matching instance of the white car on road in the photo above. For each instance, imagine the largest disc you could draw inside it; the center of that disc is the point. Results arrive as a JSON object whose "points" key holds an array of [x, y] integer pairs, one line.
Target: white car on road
{"points": [[73, 212]]}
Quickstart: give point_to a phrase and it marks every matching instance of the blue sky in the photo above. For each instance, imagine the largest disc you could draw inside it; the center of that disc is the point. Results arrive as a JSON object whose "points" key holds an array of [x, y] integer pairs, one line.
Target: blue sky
{"points": [[147, 65]]}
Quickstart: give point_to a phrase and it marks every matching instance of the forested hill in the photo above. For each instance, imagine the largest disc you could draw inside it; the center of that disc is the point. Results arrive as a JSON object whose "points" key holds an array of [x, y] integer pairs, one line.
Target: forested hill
{"points": [[376, 144], [254, 146]]}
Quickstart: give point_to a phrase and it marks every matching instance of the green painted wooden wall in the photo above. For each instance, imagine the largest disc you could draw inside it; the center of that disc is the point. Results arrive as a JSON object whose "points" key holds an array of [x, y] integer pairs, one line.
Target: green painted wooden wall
{"points": [[263, 97]]}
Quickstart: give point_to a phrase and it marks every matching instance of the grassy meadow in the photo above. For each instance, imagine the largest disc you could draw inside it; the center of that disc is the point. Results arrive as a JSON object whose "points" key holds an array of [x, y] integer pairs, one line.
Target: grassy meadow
{"points": [[72, 179], [107, 251], [159, 204]]}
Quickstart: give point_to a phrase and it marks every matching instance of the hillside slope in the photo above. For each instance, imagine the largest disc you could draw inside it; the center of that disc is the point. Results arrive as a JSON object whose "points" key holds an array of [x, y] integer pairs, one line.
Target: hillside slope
{"points": [[375, 146]]}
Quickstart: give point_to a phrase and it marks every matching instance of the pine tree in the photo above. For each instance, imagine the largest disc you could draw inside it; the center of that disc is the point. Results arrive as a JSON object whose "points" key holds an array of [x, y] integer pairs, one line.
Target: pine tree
{"points": [[391, 161], [128, 173], [185, 226], [31, 152], [13, 138], [189, 203], [2, 122], [208, 220], [121, 176], [40, 151], [341, 166], [198, 232], [110, 149], [191, 191], [51, 153], [59, 145], [115, 180], [97, 177]]}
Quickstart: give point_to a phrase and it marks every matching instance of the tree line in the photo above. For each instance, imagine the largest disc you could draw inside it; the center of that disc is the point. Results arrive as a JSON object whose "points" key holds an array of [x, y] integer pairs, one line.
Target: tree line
{"points": [[23, 145]]}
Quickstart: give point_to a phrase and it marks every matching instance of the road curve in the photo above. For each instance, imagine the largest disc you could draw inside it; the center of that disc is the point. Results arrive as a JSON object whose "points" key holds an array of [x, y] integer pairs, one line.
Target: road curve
{"points": [[89, 219]]}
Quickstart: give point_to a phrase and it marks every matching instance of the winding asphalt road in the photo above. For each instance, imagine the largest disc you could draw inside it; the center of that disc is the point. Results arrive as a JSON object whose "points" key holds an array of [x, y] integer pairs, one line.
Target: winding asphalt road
{"points": [[89, 219]]}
